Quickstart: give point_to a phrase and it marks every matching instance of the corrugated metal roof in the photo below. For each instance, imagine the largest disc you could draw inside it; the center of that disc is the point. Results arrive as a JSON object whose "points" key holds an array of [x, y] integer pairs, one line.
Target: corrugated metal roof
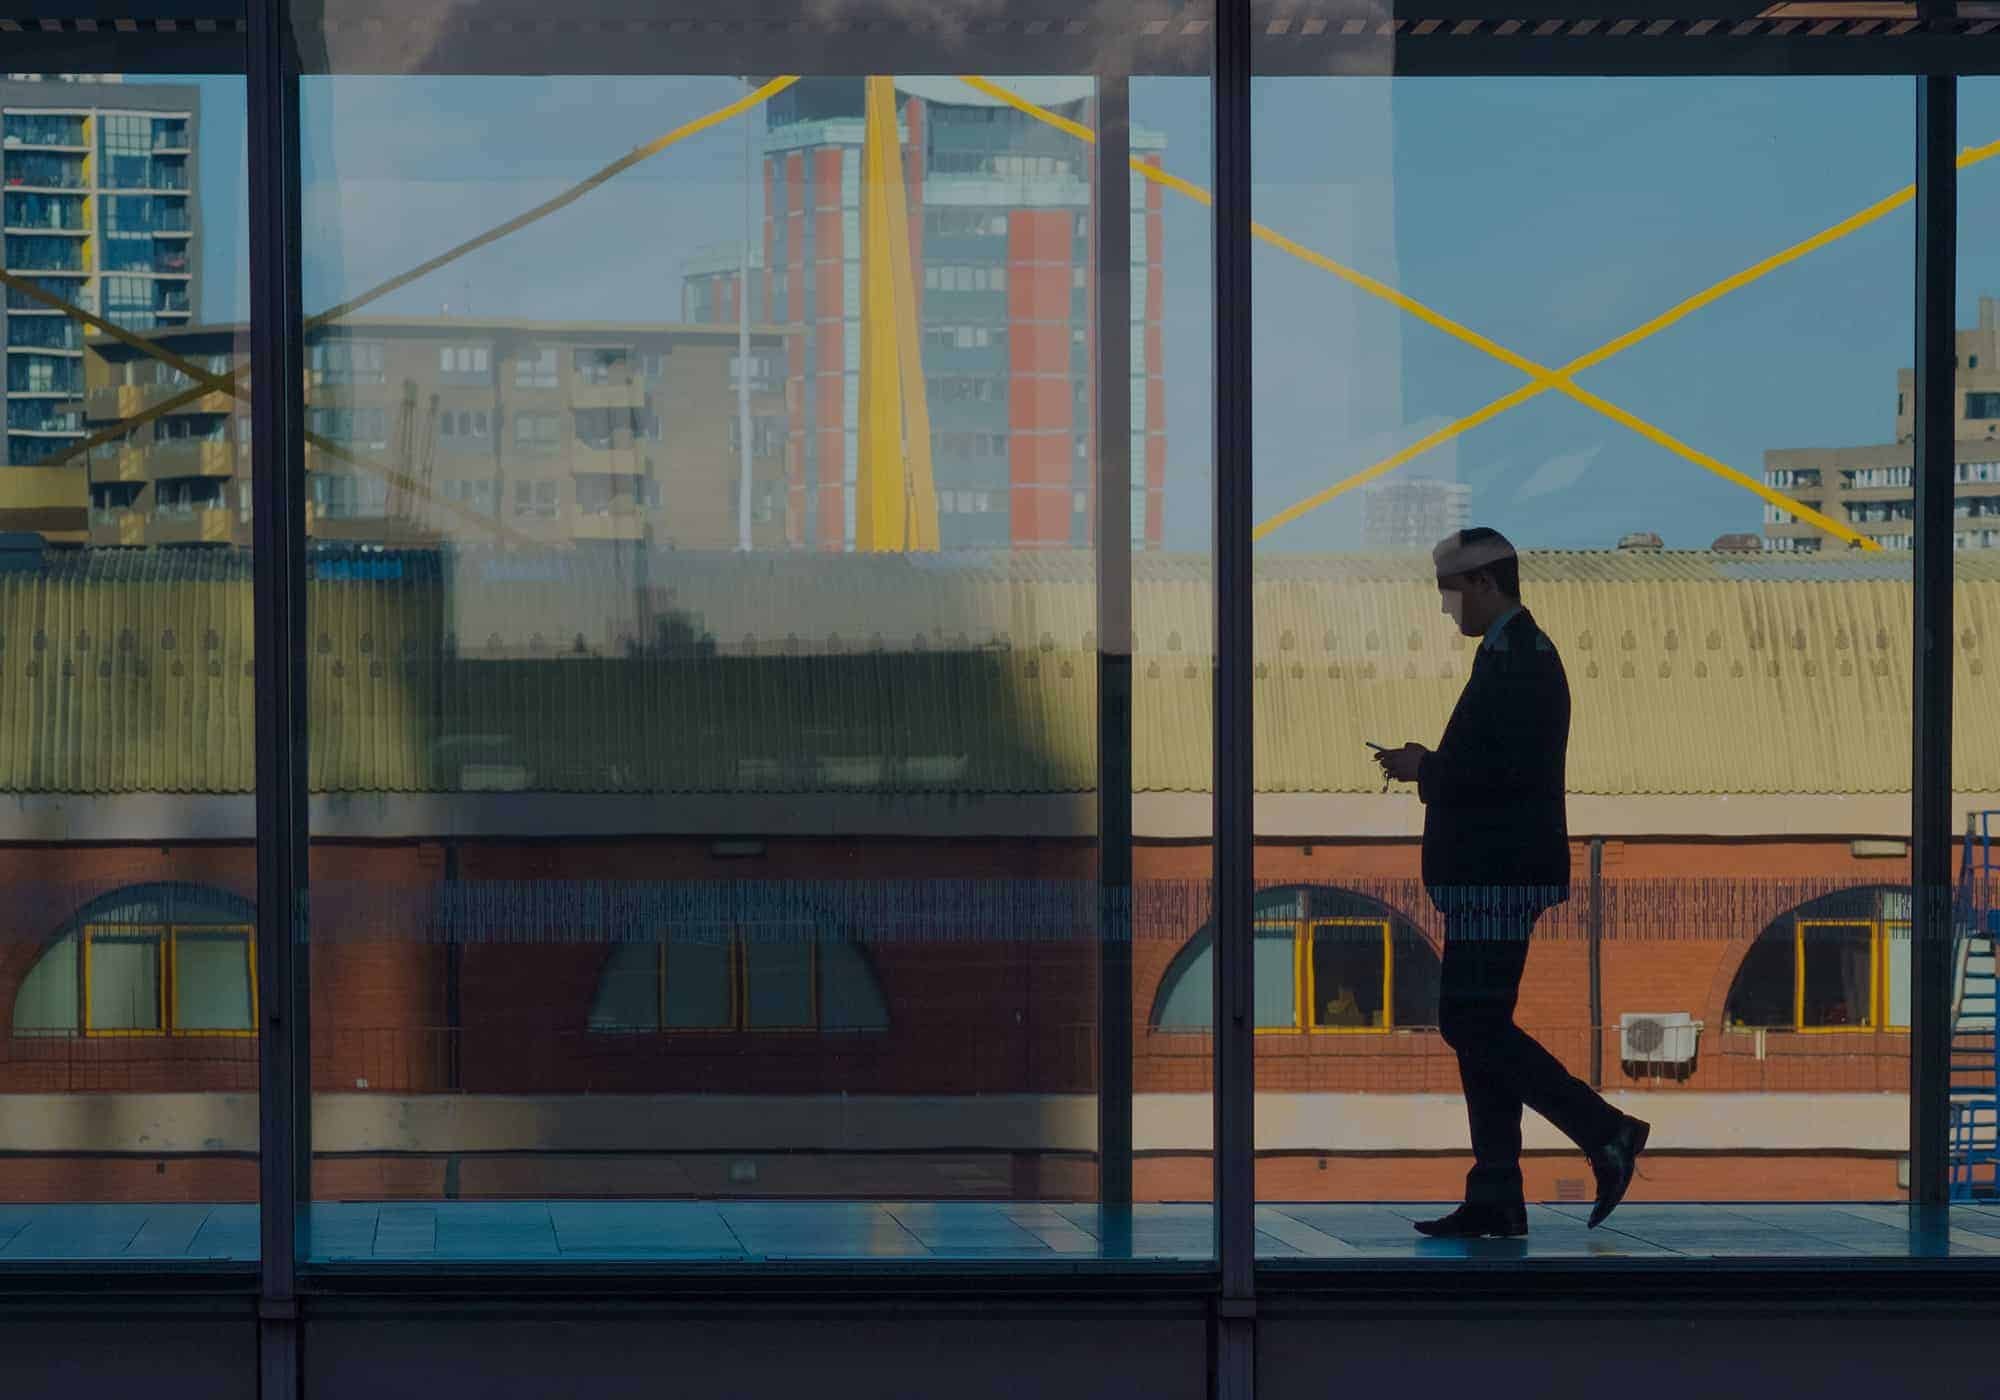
{"points": [[1691, 673]]}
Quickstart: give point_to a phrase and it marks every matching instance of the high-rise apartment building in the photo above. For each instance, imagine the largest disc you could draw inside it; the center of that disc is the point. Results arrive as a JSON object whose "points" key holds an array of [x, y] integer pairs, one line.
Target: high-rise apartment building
{"points": [[1870, 487], [1000, 210], [1414, 513], [96, 181]]}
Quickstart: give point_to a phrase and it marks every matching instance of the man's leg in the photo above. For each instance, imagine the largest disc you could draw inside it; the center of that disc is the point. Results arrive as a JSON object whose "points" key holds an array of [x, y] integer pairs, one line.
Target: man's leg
{"points": [[1478, 988], [1476, 1017]]}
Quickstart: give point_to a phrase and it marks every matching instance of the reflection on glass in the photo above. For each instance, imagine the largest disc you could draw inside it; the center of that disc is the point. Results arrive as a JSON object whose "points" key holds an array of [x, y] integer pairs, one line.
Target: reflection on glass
{"points": [[1973, 1084], [1706, 521], [128, 1072], [703, 652]]}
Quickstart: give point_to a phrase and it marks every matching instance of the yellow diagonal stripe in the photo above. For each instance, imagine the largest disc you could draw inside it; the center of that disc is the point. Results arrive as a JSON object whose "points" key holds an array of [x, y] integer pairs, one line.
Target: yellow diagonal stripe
{"points": [[1542, 379]]}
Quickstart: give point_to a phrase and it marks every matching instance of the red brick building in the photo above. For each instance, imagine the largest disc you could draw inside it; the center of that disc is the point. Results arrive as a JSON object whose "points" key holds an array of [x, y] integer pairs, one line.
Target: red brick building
{"points": [[1001, 206], [724, 893]]}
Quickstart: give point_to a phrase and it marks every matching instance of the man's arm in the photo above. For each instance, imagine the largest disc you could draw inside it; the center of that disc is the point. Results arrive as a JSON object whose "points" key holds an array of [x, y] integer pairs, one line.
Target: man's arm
{"points": [[1512, 744]]}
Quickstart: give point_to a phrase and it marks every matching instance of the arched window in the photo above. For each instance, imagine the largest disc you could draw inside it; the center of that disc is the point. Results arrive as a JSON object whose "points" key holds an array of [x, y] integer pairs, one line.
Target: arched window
{"points": [[1837, 963], [168, 959], [1325, 960], [766, 979]]}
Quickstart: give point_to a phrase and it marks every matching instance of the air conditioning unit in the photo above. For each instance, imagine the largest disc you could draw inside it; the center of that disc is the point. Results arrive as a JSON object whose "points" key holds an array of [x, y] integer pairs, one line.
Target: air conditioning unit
{"points": [[1657, 1037]]}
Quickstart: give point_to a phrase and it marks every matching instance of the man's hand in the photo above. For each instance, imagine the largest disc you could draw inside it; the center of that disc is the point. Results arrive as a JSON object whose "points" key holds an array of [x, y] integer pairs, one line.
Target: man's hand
{"points": [[1401, 764]]}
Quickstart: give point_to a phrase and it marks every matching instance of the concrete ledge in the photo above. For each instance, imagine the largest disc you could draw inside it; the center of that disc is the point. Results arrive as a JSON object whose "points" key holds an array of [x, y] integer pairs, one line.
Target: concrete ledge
{"points": [[141, 1124]]}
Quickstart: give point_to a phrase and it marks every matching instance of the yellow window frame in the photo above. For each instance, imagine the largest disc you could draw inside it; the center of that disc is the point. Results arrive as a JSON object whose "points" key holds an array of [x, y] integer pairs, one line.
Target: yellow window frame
{"points": [[173, 979], [1309, 992], [1875, 957], [160, 935]]}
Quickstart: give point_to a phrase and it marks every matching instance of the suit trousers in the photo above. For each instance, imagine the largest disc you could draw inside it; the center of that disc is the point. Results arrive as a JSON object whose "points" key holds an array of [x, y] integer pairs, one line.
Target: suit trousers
{"points": [[1501, 1066]]}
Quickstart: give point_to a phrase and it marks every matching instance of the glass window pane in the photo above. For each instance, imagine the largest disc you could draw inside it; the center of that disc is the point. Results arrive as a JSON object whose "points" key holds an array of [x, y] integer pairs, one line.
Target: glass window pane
{"points": [[1275, 989], [700, 989], [47, 1001], [1348, 976], [130, 677], [1896, 975], [778, 981], [628, 990], [683, 588], [1836, 974], [1611, 564], [850, 990], [123, 976], [212, 980]]}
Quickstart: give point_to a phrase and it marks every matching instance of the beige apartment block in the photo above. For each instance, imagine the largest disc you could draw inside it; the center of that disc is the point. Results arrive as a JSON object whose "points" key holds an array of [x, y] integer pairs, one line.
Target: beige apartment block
{"points": [[1870, 487], [482, 432]]}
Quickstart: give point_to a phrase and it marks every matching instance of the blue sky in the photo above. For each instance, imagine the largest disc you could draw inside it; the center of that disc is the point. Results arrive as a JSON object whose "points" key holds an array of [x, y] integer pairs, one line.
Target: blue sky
{"points": [[1549, 214]]}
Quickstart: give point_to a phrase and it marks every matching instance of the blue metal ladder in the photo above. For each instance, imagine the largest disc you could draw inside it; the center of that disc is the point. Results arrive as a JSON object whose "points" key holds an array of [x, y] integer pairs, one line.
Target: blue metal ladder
{"points": [[1975, 1049]]}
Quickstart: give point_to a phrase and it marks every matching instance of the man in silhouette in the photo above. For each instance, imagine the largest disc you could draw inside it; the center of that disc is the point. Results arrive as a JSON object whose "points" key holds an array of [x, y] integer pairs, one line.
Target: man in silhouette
{"points": [[1496, 855]]}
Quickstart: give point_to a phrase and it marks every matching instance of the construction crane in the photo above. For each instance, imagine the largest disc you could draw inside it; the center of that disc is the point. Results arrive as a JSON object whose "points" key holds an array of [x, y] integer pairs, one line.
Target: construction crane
{"points": [[410, 483]]}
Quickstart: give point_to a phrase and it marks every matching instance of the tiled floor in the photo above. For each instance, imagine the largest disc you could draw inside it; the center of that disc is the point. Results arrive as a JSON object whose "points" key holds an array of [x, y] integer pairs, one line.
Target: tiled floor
{"points": [[759, 1231]]}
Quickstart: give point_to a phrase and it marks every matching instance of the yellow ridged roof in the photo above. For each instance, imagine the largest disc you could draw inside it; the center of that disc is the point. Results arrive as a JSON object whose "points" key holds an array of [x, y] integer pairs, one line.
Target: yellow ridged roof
{"points": [[1691, 673]]}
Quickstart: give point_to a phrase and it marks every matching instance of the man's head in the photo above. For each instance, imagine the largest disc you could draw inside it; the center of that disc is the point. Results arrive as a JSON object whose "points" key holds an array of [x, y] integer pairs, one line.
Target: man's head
{"points": [[1478, 577]]}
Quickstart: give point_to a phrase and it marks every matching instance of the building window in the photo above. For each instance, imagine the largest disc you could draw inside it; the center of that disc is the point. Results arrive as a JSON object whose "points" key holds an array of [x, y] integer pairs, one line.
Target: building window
{"points": [[465, 426], [346, 362], [161, 960], [536, 369], [738, 982], [465, 363], [1982, 405], [607, 364], [537, 432], [1324, 960], [1841, 963], [536, 499], [362, 427]]}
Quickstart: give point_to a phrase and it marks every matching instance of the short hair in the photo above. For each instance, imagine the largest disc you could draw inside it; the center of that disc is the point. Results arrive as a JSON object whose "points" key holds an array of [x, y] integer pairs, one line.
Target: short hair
{"points": [[1479, 550]]}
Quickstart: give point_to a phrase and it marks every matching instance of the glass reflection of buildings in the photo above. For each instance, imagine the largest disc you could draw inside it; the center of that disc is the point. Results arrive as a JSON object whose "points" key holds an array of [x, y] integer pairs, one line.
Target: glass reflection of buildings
{"points": [[97, 211], [1000, 207], [1870, 488], [574, 434]]}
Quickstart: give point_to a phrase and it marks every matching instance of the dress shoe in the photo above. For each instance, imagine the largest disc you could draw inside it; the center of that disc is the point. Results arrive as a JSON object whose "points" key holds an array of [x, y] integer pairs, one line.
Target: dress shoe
{"points": [[1477, 1222], [1614, 1163]]}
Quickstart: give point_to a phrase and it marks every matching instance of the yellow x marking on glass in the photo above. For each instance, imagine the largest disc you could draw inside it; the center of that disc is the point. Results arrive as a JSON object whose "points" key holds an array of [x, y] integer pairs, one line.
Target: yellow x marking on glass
{"points": [[1540, 378]]}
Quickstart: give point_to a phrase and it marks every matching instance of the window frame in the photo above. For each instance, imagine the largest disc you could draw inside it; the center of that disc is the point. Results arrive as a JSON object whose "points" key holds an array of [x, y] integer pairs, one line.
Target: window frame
{"points": [[248, 936], [738, 1022], [1306, 979], [86, 936], [1875, 956], [165, 939]]}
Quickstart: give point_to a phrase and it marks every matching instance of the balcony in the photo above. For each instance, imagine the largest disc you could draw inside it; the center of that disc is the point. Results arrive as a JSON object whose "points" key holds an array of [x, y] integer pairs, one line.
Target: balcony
{"points": [[191, 525], [117, 528], [119, 402], [621, 523], [124, 464], [618, 394], [178, 457]]}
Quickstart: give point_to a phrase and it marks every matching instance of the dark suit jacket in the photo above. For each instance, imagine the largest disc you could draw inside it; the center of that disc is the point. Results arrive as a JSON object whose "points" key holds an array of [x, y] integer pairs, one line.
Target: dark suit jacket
{"points": [[1495, 830]]}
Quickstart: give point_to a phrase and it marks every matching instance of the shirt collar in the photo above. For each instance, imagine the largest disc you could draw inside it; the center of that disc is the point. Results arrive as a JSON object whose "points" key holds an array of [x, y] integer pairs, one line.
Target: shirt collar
{"points": [[1495, 639]]}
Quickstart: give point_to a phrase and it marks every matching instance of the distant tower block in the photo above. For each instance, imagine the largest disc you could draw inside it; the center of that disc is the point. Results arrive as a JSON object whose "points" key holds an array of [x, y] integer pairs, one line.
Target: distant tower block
{"points": [[1414, 513]]}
